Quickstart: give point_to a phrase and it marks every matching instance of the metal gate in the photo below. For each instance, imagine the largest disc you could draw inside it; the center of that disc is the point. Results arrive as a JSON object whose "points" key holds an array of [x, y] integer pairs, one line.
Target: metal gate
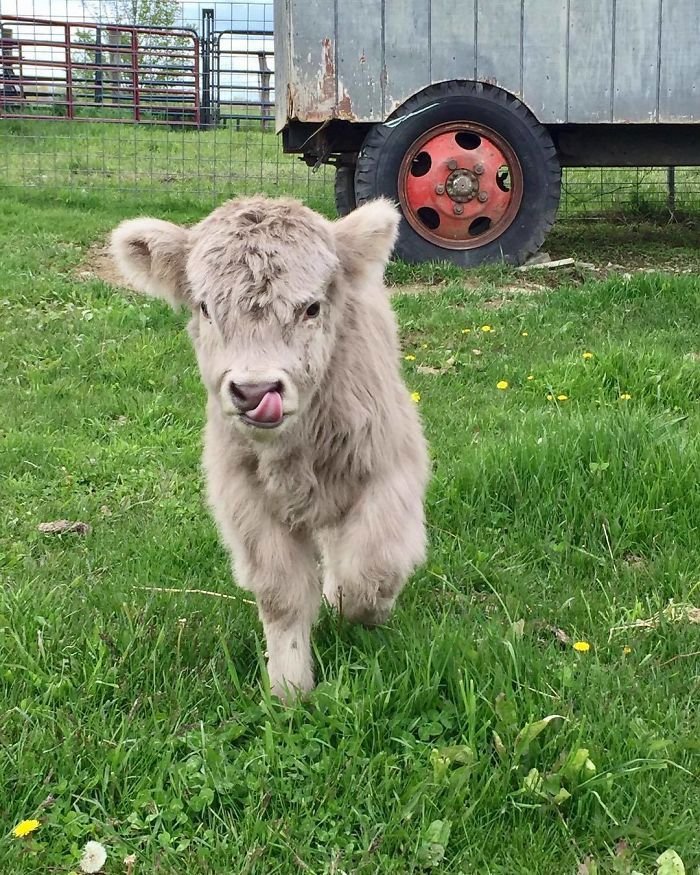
{"points": [[99, 72], [237, 75]]}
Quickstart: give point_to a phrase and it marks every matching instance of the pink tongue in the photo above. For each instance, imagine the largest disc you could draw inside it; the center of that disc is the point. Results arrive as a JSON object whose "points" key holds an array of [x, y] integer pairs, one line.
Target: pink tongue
{"points": [[269, 410]]}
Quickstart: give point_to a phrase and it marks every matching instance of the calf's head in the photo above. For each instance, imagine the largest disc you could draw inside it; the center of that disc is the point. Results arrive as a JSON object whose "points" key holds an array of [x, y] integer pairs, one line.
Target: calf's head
{"points": [[266, 281]]}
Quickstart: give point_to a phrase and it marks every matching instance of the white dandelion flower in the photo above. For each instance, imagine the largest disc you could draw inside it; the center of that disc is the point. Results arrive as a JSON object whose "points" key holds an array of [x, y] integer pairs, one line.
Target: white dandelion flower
{"points": [[94, 857]]}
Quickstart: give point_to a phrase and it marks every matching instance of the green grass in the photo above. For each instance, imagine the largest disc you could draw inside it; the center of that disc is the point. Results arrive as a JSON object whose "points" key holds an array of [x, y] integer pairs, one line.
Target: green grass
{"points": [[170, 161], [137, 717], [116, 159]]}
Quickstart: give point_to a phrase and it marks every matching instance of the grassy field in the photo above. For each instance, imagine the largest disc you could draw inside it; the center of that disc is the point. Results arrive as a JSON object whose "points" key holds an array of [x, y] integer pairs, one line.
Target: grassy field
{"points": [[113, 158], [563, 579], [72, 157]]}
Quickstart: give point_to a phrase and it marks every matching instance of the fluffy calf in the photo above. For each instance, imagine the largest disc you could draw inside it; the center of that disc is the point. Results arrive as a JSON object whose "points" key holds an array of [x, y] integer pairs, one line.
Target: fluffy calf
{"points": [[313, 447]]}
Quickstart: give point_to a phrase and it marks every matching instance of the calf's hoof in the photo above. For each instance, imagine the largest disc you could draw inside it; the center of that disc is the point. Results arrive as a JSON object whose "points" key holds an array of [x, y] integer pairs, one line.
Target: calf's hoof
{"points": [[288, 689], [363, 610]]}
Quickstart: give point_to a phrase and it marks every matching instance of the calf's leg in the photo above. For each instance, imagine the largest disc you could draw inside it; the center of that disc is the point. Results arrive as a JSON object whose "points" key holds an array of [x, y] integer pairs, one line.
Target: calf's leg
{"points": [[279, 567], [369, 557]]}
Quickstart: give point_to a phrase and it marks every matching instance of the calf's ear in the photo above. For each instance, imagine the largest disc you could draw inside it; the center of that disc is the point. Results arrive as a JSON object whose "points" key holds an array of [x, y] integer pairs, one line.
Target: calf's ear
{"points": [[365, 238], [151, 255]]}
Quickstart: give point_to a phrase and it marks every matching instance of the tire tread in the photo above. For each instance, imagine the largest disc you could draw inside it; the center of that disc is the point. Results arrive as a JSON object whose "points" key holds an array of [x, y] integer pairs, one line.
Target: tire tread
{"points": [[375, 142]]}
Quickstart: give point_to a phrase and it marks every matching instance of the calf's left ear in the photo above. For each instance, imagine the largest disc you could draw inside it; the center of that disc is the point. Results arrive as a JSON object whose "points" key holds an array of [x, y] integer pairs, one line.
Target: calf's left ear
{"points": [[152, 255], [365, 238]]}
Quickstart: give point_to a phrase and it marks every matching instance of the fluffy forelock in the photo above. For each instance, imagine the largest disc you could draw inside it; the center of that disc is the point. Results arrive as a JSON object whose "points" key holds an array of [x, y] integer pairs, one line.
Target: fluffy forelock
{"points": [[261, 253]]}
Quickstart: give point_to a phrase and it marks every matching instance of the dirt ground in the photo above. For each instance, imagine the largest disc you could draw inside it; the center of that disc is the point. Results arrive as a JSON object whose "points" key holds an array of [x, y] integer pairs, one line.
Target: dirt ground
{"points": [[98, 263], [597, 251]]}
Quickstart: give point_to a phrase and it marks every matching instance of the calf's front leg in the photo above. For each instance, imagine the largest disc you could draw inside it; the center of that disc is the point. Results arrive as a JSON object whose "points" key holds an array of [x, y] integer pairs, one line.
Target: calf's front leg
{"points": [[370, 555], [279, 567]]}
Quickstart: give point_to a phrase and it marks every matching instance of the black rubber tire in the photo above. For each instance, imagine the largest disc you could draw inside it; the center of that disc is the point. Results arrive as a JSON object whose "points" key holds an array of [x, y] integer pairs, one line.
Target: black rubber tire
{"points": [[384, 148], [345, 189]]}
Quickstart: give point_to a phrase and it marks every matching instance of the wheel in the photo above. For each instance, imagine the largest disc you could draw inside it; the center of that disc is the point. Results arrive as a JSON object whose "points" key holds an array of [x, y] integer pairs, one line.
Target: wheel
{"points": [[345, 189], [476, 175]]}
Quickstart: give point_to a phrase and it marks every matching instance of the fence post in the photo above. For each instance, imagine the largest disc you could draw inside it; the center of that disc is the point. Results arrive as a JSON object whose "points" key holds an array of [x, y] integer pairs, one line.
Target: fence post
{"points": [[207, 42], [264, 74], [114, 60], [671, 180], [98, 66], [8, 73], [135, 75], [69, 74]]}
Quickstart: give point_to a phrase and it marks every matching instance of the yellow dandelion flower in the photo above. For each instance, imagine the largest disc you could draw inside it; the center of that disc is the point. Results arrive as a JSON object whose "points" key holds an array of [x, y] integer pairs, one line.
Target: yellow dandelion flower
{"points": [[410, 358], [523, 334], [531, 376], [502, 384], [550, 397], [582, 646], [486, 328], [562, 397], [587, 356], [627, 650], [415, 397], [466, 330], [625, 396], [24, 828]]}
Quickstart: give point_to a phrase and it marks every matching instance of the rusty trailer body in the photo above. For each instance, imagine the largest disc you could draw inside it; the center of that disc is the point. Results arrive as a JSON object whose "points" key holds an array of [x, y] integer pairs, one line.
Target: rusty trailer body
{"points": [[539, 83]]}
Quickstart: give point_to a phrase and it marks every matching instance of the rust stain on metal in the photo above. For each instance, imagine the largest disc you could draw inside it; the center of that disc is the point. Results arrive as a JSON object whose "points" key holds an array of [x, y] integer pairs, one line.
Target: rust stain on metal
{"points": [[316, 100], [313, 116], [344, 108], [328, 71], [291, 112], [343, 111], [393, 105]]}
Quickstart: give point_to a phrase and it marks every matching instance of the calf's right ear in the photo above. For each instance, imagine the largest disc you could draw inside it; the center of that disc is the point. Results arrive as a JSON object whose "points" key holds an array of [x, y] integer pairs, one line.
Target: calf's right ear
{"points": [[366, 236], [152, 256]]}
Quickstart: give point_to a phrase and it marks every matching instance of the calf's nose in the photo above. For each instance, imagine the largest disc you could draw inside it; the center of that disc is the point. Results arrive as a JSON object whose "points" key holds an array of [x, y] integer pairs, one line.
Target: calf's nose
{"points": [[247, 396]]}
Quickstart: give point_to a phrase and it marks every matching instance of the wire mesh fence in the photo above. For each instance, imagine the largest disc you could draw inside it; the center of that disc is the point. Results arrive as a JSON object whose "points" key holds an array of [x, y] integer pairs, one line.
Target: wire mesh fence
{"points": [[154, 98], [144, 97]]}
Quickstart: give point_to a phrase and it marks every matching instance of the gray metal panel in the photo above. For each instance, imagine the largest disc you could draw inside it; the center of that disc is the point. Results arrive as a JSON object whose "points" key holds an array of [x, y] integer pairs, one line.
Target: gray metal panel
{"points": [[312, 84], [590, 61], [679, 92], [281, 36], [452, 48], [499, 44], [544, 58], [635, 95], [359, 50], [407, 29], [579, 60]]}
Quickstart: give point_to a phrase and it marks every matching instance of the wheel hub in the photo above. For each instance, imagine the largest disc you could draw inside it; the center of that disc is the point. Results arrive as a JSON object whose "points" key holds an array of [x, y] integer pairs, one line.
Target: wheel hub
{"points": [[462, 185]]}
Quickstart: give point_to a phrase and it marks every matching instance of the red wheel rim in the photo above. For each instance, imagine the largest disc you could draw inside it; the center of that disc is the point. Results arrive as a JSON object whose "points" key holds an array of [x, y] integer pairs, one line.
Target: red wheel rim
{"points": [[460, 185]]}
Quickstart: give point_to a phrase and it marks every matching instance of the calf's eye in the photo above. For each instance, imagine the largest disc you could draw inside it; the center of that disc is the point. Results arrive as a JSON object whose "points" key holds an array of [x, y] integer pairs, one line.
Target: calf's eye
{"points": [[204, 309], [312, 310]]}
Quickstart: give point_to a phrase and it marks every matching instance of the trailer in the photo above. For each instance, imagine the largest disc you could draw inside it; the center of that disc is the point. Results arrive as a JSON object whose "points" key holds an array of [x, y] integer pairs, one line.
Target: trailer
{"points": [[464, 114]]}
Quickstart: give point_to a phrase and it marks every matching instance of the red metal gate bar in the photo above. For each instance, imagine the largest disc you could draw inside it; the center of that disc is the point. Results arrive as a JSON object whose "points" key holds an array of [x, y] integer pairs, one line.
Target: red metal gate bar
{"points": [[159, 66]]}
